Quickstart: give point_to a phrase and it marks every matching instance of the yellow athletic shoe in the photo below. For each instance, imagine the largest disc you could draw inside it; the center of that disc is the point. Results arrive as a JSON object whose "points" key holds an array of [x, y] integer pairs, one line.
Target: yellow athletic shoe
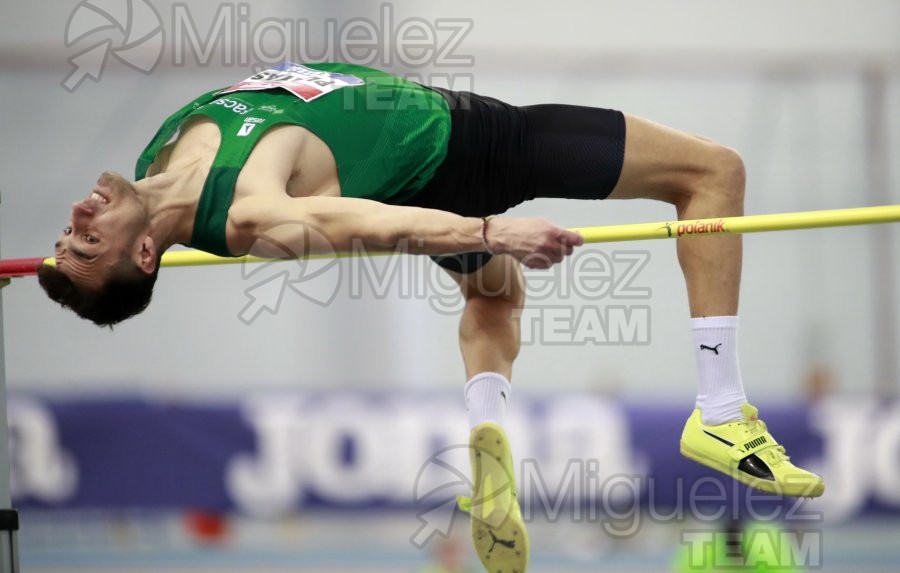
{"points": [[498, 530], [746, 451]]}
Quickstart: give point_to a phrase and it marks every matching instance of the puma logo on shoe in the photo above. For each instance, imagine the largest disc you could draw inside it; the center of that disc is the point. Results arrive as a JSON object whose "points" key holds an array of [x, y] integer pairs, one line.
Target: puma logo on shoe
{"points": [[752, 464], [503, 542], [753, 443], [713, 348]]}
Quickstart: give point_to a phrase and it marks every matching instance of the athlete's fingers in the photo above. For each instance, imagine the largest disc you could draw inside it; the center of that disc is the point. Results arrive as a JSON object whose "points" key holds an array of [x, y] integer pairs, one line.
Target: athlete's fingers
{"points": [[572, 238]]}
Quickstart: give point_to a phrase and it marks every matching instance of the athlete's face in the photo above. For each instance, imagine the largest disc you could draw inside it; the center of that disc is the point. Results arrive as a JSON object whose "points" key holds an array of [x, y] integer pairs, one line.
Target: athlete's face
{"points": [[105, 227]]}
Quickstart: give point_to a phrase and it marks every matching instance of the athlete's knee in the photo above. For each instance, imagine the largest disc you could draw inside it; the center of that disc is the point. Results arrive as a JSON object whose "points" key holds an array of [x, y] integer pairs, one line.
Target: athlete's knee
{"points": [[730, 174], [495, 302], [720, 179], [499, 284], [495, 309]]}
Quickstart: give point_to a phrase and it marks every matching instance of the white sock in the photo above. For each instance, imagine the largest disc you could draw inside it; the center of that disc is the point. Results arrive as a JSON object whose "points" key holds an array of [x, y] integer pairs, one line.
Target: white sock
{"points": [[486, 395], [721, 392]]}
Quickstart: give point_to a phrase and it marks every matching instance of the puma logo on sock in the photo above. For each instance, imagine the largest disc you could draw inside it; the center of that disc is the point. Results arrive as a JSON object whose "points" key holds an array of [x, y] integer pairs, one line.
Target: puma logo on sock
{"points": [[713, 348]]}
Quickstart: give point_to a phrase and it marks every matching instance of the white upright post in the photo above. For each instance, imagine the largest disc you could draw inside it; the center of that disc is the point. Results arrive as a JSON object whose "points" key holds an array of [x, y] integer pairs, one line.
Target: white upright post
{"points": [[9, 518]]}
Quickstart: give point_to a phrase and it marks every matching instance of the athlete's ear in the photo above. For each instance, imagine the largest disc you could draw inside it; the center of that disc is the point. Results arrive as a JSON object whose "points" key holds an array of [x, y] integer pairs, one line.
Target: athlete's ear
{"points": [[145, 258]]}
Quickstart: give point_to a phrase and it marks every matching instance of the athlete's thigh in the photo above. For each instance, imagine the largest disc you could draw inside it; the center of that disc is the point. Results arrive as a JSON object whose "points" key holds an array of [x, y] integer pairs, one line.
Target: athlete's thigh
{"points": [[660, 162]]}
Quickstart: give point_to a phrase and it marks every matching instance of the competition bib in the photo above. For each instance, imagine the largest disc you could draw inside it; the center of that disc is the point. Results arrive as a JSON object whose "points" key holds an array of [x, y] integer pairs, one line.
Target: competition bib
{"points": [[305, 83]]}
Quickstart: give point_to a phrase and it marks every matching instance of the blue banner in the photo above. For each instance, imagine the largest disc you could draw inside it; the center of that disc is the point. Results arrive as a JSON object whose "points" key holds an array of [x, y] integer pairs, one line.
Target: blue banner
{"points": [[273, 454]]}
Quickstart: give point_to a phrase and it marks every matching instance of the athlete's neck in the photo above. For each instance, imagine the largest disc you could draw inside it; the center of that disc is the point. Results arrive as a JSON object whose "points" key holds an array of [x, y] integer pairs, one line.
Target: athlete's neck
{"points": [[171, 205]]}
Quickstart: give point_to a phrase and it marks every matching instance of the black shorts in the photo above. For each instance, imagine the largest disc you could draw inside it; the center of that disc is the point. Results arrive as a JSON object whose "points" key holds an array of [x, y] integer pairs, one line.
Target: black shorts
{"points": [[500, 155]]}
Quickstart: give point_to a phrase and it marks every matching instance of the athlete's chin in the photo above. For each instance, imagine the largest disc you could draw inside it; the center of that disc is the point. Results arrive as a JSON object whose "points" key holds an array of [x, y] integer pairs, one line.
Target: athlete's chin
{"points": [[114, 183]]}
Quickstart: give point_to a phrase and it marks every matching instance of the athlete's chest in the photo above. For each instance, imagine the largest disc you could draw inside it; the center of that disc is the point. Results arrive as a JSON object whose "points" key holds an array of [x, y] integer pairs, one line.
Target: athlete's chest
{"points": [[287, 159]]}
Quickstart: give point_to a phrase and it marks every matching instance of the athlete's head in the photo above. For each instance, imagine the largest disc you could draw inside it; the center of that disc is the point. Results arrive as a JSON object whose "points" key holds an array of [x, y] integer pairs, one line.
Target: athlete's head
{"points": [[106, 260]]}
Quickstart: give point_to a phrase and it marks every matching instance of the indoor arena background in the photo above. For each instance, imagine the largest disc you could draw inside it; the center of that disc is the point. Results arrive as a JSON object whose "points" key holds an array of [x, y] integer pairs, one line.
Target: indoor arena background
{"points": [[292, 417]]}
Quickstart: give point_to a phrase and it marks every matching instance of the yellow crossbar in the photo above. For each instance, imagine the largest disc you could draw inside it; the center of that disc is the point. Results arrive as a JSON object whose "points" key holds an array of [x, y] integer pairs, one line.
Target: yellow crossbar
{"points": [[639, 231]]}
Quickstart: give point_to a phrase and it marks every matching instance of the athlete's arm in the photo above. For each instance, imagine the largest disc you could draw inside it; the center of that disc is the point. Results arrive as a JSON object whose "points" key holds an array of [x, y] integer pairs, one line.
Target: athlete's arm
{"points": [[310, 225]]}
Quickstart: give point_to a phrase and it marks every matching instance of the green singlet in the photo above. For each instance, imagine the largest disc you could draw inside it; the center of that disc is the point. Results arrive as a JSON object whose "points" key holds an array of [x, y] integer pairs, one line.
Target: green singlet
{"points": [[387, 135]]}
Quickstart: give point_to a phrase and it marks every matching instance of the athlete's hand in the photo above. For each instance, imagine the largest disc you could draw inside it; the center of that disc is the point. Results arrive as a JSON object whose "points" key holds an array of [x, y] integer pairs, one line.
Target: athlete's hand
{"points": [[537, 243]]}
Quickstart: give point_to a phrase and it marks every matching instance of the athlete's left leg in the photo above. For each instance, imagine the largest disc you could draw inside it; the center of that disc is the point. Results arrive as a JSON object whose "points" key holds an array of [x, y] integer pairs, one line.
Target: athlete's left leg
{"points": [[489, 341], [702, 179]]}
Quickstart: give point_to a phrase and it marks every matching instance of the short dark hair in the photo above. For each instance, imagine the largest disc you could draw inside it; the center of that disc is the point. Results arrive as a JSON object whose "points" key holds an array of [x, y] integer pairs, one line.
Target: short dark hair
{"points": [[126, 292]]}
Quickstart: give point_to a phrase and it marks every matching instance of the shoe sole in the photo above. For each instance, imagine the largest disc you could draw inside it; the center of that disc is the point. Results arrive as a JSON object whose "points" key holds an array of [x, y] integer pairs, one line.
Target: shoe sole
{"points": [[768, 486], [489, 440]]}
